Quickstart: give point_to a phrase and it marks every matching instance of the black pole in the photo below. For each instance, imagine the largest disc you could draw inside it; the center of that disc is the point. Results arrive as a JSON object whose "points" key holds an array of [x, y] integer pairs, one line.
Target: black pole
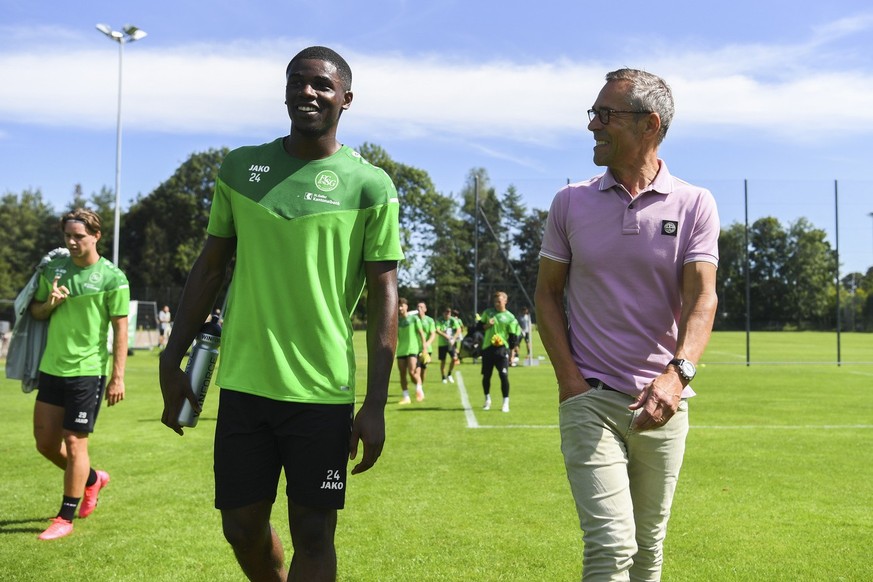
{"points": [[748, 278], [837, 271]]}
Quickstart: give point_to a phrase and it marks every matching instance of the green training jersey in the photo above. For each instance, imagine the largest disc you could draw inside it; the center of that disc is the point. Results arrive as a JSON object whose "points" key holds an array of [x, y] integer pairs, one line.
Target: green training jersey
{"points": [[498, 334], [450, 325], [408, 338], [78, 331], [428, 326], [304, 230]]}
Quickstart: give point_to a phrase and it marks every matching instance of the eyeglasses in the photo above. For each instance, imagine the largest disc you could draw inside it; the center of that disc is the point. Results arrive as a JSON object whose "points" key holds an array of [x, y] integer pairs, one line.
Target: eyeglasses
{"points": [[604, 113]]}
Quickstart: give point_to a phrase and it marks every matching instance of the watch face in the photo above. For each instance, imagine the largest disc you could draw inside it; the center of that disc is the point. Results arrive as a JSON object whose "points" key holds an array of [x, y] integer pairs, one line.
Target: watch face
{"points": [[688, 369]]}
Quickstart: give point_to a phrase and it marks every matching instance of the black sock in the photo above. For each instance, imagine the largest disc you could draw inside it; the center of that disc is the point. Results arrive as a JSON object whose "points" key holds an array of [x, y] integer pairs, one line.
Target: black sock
{"points": [[92, 478], [68, 508]]}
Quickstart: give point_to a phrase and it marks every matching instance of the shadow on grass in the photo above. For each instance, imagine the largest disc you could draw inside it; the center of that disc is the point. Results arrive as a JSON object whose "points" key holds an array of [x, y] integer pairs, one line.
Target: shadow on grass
{"points": [[202, 419], [7, 525]]}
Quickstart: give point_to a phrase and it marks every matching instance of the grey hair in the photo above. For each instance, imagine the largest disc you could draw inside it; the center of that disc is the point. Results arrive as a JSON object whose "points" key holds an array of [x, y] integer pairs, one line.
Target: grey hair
{"points": [[648, 93]]}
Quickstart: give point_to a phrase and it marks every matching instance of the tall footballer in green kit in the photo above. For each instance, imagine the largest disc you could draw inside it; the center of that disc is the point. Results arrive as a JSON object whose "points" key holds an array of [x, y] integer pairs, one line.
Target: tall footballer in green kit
{"points": [[311, 224], [316, 219]]}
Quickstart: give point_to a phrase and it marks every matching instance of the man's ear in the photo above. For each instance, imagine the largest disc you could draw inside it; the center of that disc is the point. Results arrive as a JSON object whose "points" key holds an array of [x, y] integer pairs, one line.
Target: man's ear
{"points": [[653, 125]]}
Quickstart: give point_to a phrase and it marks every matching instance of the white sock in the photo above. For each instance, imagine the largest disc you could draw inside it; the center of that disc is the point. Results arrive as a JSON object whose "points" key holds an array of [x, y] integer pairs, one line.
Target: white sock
{"points": [[406, 393], [418, 388]]}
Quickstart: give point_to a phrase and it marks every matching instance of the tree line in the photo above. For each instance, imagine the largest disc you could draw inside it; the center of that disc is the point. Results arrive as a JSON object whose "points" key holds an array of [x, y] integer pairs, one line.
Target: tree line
{"points": [[791, 271]]}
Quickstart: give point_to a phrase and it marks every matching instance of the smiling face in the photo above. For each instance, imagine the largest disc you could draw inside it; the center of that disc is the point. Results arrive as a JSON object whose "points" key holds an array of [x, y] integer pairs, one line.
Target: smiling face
{"points": [[315, 96], [619, 143]]}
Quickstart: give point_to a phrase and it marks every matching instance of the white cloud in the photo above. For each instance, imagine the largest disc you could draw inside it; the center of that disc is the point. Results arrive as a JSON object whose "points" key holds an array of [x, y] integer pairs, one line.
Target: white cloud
{"points": [[237, 88]]}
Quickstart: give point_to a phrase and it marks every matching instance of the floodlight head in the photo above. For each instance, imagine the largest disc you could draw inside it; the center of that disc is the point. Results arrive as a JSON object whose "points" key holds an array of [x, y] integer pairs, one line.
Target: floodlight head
{"points": [[133, 32], [111, 34]]}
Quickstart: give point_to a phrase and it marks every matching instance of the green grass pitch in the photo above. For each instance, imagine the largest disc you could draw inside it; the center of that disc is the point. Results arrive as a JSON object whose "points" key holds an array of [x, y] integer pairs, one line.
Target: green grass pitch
{"points": [[777, 482]]}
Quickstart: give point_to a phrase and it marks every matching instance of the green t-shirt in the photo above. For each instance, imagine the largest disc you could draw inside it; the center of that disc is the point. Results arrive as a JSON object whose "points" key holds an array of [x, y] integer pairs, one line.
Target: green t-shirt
{"points": [[408, 338], [498, 334], [450, 325], [304, 231], [428, 326], [78, 331]]}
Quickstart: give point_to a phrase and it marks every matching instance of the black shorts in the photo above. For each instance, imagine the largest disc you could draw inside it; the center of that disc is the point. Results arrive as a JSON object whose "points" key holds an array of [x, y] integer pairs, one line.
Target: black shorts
{"points": [[256, 437], [495, 357], [447, 350], [79, 396]]}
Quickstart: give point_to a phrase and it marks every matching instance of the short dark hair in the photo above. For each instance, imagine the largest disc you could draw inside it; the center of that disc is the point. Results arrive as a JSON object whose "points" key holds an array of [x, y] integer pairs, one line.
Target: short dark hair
{"points": [[322, 53]]}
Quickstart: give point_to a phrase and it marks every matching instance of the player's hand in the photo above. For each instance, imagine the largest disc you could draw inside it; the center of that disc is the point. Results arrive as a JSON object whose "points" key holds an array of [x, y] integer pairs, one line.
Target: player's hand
{"points": [[659, 401], [570, 388], [368, 428], [114, 391], [58, 293], [176, 389]]}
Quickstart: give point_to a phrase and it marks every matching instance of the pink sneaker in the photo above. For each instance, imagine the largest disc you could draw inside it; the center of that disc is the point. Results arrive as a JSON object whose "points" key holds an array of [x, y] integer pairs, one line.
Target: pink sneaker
{"points": [[89, 500], [59, 528]]}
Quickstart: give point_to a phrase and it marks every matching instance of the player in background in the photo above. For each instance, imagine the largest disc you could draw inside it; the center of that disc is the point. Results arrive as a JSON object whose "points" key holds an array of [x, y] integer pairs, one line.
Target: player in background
{"points": [[82, 296]]}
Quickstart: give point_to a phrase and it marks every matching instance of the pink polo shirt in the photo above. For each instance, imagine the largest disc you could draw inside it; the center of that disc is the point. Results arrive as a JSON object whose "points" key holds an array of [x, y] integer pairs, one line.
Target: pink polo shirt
{"points": [[625, 261]]}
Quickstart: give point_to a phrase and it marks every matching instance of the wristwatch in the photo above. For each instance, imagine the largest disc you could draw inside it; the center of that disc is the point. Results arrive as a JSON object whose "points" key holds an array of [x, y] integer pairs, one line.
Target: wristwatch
{"points": [[686, 368]]}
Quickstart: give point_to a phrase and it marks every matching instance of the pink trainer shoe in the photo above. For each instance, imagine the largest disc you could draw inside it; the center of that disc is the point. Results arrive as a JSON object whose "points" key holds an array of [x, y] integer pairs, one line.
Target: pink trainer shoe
{"points": [[89, 500]]}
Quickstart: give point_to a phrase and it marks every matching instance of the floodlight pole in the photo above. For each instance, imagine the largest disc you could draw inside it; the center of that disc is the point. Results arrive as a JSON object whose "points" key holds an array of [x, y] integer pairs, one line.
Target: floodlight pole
{"points": [[476, 245], [870, 215], [128, 33]]}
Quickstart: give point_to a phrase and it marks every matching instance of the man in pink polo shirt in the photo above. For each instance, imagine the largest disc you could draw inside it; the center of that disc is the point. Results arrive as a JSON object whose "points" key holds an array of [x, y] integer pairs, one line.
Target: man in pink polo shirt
{"points": [[637, 250]]}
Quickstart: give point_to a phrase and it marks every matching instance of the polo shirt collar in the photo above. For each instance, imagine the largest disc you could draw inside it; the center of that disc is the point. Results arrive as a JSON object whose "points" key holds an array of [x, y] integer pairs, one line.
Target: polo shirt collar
{"points": [[662, 184]]}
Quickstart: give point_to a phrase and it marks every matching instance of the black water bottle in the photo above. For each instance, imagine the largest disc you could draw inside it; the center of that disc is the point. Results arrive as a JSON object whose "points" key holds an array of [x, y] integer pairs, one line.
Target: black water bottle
{"points": [[201, 364]]}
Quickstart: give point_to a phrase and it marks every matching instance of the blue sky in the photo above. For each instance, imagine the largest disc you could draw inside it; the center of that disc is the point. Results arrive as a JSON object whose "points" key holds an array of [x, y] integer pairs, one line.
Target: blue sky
{"points": [[777, 93]]}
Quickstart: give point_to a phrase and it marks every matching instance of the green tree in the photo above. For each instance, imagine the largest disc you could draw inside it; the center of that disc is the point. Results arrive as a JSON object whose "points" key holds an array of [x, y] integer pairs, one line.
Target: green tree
{"points": [[731, 280], [853, 298], [430, 231], [791, 276], [769, 249], [30, 230], [529, 240], [165, 230], [493, 272], [809, 272]]}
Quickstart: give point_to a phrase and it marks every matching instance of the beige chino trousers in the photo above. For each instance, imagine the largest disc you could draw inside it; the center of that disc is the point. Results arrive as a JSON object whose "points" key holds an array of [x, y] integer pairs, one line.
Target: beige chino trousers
{"points": [[623, 482]]}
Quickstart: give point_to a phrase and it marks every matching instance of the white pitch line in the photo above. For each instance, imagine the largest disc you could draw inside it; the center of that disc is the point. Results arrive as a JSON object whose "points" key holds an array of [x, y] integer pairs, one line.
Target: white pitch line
{"points": [[472, 422], [527, 426], [465, 401]]}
